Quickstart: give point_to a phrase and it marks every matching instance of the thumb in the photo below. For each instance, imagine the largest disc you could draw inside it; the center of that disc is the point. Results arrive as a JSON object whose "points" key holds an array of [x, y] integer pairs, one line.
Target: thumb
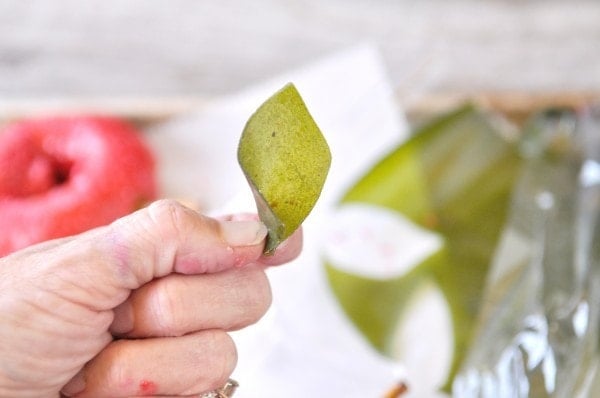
{"points": [[100, 267]]}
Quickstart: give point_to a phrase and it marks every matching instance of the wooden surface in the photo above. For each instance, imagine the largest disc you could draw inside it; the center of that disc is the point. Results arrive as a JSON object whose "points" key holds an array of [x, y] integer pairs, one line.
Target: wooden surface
{"points": [[147, 48], [516, 106]]}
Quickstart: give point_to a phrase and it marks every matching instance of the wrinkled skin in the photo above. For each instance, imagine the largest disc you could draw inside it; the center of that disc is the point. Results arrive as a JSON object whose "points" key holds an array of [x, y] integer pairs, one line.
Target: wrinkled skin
{"points": [[140, 307]]}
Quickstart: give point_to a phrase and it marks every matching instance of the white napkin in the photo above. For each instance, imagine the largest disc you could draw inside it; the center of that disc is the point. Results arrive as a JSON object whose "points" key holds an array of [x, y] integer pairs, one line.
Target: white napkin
{"points": [[304, 346]]}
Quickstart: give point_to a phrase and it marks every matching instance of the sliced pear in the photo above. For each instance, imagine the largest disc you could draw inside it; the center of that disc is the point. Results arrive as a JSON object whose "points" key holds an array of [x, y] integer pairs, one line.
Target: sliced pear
{"points": [[286, 159], [453, 178]]}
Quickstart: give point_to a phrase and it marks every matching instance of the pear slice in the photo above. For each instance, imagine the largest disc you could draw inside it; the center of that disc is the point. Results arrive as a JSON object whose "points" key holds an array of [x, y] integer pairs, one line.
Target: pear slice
{"points": [[452, 178], [286, 160]]}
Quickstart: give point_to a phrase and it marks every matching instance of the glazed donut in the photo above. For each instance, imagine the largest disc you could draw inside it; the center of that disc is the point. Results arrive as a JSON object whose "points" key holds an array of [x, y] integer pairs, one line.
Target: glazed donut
{"points": [[61, 176]]}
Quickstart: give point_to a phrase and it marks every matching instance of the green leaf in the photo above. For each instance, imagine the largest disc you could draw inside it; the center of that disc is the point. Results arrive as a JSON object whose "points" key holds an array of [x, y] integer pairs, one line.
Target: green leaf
{"points": [[286, 160], [454, 177]]}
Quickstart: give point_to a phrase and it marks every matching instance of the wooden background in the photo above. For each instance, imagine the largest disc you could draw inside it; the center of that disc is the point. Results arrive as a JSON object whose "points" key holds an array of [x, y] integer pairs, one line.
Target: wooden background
{"points": [[152, 48]]}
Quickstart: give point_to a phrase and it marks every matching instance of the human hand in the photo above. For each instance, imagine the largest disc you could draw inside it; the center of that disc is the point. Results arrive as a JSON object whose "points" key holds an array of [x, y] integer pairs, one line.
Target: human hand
{"points": [[137, 308]]}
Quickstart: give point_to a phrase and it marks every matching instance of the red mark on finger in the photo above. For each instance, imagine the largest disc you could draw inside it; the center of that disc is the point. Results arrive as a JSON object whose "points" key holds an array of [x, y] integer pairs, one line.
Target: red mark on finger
{"points": [[147, 387]]}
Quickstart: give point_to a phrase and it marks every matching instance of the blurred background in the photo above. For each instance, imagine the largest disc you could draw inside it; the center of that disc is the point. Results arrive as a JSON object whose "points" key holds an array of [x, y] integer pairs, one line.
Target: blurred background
{"points": [[518, 55], [206, 48]]}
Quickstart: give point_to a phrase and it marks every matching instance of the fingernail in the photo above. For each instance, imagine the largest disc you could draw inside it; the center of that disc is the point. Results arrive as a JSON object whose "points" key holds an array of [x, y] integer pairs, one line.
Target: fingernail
{"points": [[243, 233], [75, 386]]}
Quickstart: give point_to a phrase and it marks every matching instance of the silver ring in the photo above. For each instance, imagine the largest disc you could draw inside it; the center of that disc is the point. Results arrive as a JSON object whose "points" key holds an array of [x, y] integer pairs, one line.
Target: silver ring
{"points": [[226, 391]]}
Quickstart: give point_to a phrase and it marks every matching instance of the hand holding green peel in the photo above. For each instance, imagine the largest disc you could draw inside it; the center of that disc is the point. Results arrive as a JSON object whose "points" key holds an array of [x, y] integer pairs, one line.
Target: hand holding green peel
{"points": [[286, 160]]}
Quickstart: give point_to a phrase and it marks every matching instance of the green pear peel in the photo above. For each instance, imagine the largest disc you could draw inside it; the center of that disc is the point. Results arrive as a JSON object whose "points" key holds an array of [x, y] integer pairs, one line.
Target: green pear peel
{"points": [[285, 159]]}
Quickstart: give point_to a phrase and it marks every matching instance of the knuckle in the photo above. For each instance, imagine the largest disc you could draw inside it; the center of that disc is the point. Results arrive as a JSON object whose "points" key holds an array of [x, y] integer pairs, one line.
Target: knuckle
{"points": [[166, 309], [115, 370], [168, 212], [178, 220], [225, 358], [255, 299], [260, 296]]}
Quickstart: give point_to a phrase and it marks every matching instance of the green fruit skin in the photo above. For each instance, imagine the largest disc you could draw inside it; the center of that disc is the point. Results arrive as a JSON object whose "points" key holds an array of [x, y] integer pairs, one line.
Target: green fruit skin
{"points": [[286, 161]]}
